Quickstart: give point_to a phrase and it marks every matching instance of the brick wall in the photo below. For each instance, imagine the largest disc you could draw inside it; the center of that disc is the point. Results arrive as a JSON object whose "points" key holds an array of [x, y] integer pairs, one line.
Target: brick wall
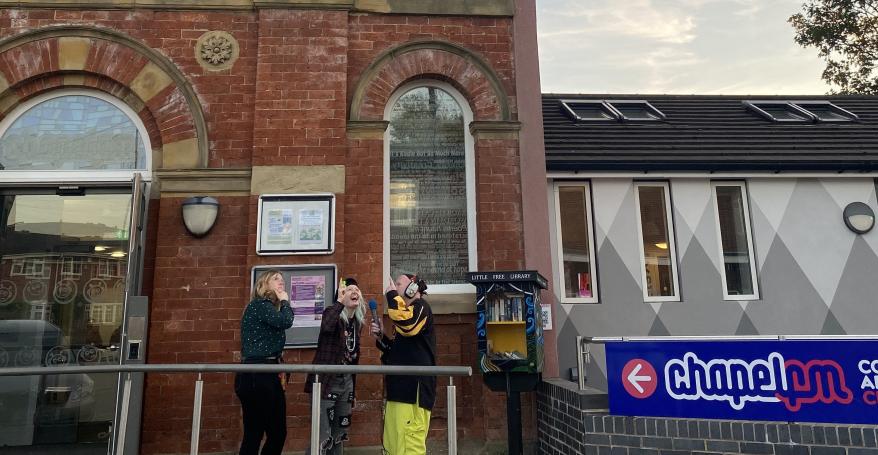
{"points": [[227, 97], [199, 291], [300, 88], [572, 422], [286, 102], [490, 38]]}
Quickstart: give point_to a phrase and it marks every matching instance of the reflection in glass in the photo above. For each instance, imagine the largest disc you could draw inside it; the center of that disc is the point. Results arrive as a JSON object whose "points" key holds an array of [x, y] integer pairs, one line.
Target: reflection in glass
{"points": [[428, 216], [61, 303], [656, 251], [733, 230], [783, 112], [72, 132], [578, 272]]}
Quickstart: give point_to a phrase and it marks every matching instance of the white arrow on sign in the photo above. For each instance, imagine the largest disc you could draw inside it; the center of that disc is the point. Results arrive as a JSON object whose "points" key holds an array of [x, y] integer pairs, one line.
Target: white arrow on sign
{"points": [[635, 380]]}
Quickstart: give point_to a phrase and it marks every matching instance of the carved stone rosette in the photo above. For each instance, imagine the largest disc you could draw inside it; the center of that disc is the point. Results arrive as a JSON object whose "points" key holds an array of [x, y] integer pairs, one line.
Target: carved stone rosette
{"points": [[216, 50]]}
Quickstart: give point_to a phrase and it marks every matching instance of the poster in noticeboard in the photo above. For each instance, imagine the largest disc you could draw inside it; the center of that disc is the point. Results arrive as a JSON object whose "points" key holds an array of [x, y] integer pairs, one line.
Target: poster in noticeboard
{"points": [[311, 289], [295, 224]]}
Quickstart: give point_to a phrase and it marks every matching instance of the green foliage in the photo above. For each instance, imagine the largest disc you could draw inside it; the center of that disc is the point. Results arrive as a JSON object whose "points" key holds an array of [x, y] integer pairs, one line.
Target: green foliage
{"points": [[845, 32]]}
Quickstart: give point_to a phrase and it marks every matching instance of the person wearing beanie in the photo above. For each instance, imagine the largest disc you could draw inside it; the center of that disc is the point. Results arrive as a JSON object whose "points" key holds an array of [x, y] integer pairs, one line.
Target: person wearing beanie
{"points": [[410, 399], [338, 344]]}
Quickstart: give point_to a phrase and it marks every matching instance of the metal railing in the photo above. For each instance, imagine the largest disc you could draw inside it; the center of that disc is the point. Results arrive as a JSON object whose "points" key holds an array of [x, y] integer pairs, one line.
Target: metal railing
{"points": [[583, 344], [316, 370]]}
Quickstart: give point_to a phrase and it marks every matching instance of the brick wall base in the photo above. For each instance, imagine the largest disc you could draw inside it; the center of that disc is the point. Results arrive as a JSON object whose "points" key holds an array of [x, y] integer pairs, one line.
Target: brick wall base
{"points": [[574, 422]]}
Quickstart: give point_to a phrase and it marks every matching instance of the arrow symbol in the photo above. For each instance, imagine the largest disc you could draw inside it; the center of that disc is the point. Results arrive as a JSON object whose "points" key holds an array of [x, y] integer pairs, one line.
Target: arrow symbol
{"points": [[635, 380]]}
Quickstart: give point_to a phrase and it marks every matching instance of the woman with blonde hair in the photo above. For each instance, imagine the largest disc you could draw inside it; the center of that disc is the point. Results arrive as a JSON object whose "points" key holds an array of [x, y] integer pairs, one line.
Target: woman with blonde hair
{"points": [[263, 336], [338, 344]]}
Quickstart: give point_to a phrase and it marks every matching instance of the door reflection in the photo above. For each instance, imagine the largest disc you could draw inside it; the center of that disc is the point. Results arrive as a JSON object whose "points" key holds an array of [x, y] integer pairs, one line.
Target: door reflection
{"points": [[63, 269]]}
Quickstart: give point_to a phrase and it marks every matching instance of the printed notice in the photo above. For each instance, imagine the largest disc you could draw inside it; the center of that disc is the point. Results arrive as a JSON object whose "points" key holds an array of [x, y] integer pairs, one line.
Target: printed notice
{"points": [[280, 227], [310, 227], [307, 296]]}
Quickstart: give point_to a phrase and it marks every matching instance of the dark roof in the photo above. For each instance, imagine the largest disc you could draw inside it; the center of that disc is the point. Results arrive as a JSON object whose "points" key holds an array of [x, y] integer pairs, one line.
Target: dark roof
{"points": [[711, 133]]}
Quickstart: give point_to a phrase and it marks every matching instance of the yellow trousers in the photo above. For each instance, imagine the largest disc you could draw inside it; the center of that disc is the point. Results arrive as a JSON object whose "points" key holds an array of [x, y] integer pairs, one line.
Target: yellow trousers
{"points": [[405, 429]]}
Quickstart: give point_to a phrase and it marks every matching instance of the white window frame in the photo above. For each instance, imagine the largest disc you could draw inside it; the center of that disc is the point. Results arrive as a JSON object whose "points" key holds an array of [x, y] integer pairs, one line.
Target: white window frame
{"points": [[28, 266], [39, 311], [559, 247], [35, 267], [745, 196], [104, 313], [74, 265], [469, 154], [672, 244], [51, 175], [108, 268]]}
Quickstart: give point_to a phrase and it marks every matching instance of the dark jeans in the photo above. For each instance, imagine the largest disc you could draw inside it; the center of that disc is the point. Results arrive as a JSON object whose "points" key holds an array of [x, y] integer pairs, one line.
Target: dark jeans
{"points": [[265, 412], [335, 414]]}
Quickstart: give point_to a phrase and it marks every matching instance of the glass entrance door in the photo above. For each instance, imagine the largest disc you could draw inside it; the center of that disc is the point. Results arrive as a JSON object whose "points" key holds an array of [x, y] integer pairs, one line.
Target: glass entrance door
{"points": [[63, 272]]}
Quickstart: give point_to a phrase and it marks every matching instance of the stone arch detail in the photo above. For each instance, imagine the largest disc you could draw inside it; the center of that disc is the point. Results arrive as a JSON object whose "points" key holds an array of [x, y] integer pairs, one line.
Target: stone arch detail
{"points": [[71, 54], [457, 65]]}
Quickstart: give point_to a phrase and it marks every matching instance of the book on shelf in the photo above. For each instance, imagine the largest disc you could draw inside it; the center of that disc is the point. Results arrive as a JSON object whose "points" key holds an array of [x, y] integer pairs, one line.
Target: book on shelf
{"points": [[508, 355], [505, 309]]}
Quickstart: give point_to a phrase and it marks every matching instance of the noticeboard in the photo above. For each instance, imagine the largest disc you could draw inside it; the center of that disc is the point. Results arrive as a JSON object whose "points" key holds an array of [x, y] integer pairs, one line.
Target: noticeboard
{"points": [[295, 224], [830, 381], [311, 289]]}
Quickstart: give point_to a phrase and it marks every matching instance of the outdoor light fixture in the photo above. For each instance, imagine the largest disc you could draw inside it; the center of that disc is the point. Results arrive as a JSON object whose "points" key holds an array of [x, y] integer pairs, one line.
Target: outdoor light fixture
{"points": [[199, 214], [117, 254], [859, 217], [99, 248]]}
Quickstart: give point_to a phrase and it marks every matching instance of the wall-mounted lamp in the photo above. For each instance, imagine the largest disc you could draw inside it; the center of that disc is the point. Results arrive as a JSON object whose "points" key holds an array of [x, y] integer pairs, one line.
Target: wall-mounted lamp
{"points": [[199, 214], [859, 217]]}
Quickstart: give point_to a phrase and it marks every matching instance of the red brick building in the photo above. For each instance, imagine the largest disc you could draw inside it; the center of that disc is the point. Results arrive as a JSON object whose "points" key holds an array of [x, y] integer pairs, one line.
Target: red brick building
{"points": [[239, 98]]}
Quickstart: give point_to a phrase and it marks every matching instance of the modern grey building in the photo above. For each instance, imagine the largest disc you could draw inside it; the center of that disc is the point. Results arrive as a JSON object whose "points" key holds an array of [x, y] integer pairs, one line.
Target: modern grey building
{"points": [[710, 215]]}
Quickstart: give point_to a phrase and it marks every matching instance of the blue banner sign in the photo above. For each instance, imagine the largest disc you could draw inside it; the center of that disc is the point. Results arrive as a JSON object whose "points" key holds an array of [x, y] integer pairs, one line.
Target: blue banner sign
{"points": [[791, 381]]}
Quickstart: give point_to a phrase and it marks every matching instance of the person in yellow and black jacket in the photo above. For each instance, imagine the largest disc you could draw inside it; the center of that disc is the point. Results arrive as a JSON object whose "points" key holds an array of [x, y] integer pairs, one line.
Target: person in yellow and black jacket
{"points": [[410, 399]]}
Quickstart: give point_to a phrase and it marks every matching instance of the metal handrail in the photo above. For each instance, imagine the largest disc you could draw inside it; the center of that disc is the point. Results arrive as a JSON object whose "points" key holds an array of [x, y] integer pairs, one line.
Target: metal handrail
{"points": [[583, 354], [243, 368], [202, 368]]}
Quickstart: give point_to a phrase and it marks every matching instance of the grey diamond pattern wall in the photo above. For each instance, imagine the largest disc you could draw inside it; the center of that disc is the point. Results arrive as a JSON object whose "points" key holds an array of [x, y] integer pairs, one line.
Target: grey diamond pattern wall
{"points": [[814, 275]]}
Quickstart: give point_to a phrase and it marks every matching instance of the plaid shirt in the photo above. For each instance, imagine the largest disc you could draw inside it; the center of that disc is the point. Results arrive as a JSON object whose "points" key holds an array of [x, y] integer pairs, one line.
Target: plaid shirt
{"points": [[332, 342]]}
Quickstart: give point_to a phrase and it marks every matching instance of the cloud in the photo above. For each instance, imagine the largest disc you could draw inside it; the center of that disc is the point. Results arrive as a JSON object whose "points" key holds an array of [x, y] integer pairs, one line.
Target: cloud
{"points": [[631, 18], [750, 8], [673, 46]]}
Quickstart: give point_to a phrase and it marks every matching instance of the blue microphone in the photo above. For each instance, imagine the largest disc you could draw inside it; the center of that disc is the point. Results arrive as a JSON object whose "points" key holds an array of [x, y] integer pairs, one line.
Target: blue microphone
{"points": [[373, 307]]}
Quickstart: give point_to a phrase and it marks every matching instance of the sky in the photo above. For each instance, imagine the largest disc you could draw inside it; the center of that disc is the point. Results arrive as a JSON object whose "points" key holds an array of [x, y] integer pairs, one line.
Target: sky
{"points": [[710, 47]]}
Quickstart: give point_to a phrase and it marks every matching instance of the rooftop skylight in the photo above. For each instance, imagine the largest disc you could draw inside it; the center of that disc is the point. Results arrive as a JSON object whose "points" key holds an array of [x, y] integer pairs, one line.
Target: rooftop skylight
{"points": [[588, 111], [779, 111], [825, 111], [636, 110], [610, 110], [800, 111]]}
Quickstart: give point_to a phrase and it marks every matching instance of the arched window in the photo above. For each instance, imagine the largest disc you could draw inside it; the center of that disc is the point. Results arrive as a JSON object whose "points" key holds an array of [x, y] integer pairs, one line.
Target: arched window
{"points": [[73, 131], [430, 186]]}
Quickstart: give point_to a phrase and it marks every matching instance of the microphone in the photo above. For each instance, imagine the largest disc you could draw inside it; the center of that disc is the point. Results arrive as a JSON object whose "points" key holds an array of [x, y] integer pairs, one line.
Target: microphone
{"points": [[373, 307]]}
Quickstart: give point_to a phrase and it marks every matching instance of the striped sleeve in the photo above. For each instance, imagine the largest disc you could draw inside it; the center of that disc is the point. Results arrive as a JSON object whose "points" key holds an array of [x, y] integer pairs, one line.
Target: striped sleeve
{"points": [[408, 319]]}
